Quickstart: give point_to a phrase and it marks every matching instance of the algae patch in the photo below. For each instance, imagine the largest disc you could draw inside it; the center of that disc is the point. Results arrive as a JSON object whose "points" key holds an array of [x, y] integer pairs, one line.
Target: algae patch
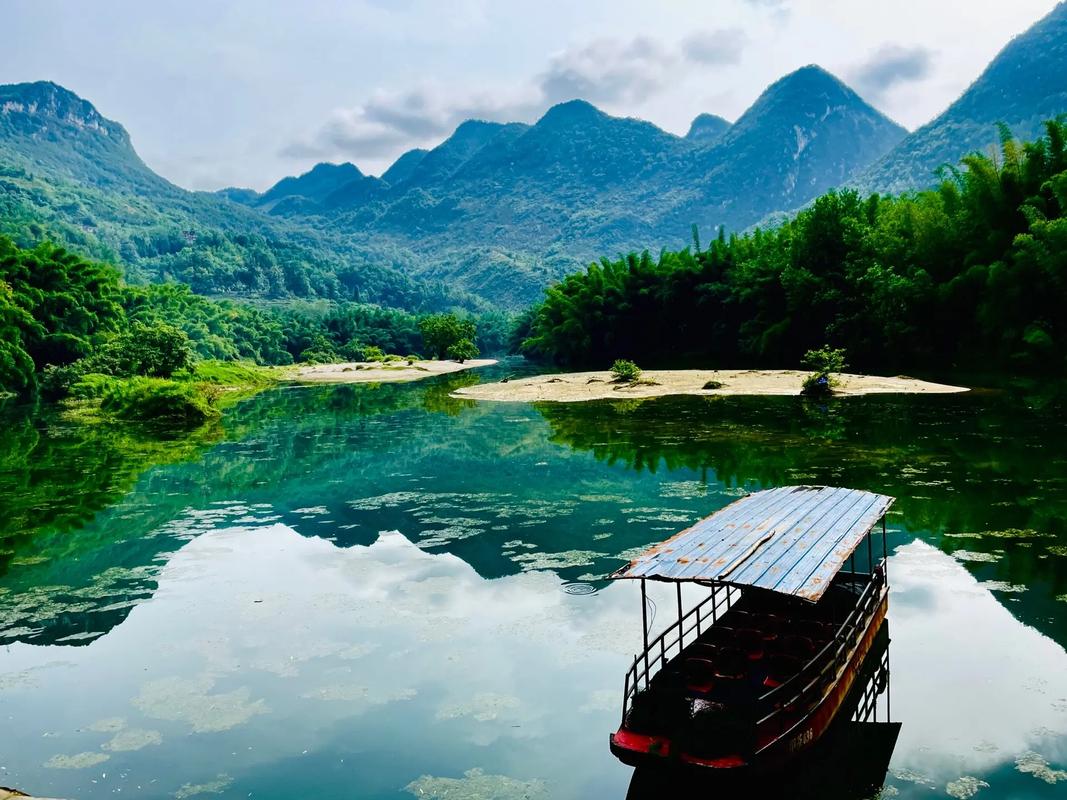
{"points": [[476, 785], [79, 761]]}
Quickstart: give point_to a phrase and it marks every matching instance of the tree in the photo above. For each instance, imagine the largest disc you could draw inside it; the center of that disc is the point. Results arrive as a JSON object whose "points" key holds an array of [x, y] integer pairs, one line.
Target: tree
{"points": [[462, 350], [442, 331], [154, 351]]}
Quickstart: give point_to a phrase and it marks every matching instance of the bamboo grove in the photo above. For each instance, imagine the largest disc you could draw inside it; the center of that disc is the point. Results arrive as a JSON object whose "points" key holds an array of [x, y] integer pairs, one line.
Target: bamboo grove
{"points": [[971, 274]]}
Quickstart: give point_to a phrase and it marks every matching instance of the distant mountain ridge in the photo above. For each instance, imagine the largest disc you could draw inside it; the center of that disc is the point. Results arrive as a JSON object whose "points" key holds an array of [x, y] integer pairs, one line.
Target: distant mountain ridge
{"points": [[1024, 85], [497, 210], [579, 183]]}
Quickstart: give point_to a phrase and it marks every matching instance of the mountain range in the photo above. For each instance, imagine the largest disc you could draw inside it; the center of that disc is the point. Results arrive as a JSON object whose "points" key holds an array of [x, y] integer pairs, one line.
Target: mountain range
{"points": [[497, 210]]}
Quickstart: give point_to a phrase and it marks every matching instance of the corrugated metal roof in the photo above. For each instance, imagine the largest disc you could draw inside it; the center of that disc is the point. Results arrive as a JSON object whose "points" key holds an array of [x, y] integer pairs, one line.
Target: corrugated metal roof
{"points": [[791, 540]]}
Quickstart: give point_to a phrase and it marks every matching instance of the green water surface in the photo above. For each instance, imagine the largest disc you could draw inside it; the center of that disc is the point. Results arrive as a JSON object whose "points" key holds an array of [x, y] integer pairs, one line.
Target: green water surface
{"points": [[384, 592]]}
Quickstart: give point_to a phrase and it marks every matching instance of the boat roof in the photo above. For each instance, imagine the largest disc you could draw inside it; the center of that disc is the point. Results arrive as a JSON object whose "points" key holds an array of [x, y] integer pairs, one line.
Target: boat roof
{"points": [[792, 540]]}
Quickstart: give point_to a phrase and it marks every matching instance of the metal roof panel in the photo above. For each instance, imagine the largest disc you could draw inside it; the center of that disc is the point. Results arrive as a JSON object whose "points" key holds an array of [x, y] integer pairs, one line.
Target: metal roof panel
{"points": [[791, 539]]}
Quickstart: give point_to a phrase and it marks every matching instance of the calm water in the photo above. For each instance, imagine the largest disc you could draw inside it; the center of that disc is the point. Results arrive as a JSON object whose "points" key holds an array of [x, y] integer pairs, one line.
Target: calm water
{"points": [[381, 592]]}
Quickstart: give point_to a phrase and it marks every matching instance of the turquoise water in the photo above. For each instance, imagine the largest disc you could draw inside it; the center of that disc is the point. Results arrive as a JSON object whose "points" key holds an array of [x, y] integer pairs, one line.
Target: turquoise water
{"points": [[383, 592]]}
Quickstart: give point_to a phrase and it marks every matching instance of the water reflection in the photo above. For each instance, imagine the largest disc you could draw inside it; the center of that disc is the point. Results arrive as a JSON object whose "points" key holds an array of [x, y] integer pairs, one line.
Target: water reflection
{"points": [[266, 657], [231, 620]]}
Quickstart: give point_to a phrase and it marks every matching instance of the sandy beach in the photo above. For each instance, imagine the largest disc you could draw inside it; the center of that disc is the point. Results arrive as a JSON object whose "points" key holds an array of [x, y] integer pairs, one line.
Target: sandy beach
{"points": [[581, 386], [377, 372]]}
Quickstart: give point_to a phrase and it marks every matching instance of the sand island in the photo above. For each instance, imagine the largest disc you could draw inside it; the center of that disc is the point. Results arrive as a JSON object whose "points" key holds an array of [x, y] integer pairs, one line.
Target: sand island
{"points": [[576, 387], [381, 372]]}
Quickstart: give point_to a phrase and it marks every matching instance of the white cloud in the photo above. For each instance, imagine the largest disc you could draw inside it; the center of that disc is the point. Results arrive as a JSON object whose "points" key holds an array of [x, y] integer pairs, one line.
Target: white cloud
{"points": [[616, 73], [890, 66]]}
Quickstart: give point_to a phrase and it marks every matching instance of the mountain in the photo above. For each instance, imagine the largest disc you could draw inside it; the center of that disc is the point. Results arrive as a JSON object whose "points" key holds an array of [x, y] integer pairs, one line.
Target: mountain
{"points": [[403, 167], [498, 210], [316, 184], [1022, 87], [70, 175], [807, 133], [706, 128]]}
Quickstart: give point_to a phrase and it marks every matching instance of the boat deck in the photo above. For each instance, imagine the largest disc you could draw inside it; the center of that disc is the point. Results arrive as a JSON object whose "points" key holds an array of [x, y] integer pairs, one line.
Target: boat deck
{"points": [[705, 698]]}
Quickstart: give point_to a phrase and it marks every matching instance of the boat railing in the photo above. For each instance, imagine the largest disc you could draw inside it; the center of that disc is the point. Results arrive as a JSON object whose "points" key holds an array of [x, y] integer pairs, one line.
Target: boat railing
{"points": [[788, 695], [802, 688], [663, 648]]}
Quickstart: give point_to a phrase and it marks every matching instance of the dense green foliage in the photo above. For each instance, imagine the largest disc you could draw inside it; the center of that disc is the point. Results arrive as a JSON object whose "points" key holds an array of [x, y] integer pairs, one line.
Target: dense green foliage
{"points": [[973, 274], [64, 318], [54, 307], [442, 332]]}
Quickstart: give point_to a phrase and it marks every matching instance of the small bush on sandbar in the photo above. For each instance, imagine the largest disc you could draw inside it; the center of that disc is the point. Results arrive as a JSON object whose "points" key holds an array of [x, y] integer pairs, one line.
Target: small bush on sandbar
{"points": [[823, 363], [623, 370]]}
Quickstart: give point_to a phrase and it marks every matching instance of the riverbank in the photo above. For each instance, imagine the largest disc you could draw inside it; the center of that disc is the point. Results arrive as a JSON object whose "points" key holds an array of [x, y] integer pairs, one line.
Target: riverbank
{"points": [[578, 387], [381, 372]]}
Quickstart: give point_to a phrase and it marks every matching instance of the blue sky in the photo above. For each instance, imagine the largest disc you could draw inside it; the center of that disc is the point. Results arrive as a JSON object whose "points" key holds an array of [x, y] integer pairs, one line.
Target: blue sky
{"points": [[245, 92]]}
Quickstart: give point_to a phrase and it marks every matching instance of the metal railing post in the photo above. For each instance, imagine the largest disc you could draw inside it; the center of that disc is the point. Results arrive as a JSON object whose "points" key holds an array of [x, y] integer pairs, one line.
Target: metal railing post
{"points": [[644, 625]]}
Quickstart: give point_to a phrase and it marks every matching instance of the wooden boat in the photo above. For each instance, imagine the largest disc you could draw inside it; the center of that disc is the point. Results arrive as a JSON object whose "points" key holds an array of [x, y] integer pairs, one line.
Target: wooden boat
{"points": [[756, 671]]}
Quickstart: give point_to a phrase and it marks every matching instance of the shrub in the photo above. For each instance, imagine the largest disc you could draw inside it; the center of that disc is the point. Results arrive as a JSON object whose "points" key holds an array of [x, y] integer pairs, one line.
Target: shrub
{"points": [[462, 350], [411, 358], [157, 398], [373, 353], [57, 381], [823, 363], [314, 356], [623, 370], [91, 386], [355, 350]]}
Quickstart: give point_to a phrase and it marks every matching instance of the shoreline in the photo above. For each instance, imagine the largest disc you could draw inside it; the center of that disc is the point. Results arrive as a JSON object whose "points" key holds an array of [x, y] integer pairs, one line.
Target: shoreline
{"points": [[379, 372], [577, 387]]}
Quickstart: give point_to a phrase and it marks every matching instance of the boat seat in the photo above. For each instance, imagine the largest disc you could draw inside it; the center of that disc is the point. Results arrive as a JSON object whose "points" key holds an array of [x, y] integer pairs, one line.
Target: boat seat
{"points": [[751, 641], [731, 662], [798, 646], [780, 668], [770, 626], [669, 679], [719, 634], [656, 709], [815, 630], [740, 619], [699, 674], [703, 650]]}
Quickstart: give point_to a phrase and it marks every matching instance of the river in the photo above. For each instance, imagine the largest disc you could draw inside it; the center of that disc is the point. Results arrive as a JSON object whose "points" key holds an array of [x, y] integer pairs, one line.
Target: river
{"points": [[385, 592]]}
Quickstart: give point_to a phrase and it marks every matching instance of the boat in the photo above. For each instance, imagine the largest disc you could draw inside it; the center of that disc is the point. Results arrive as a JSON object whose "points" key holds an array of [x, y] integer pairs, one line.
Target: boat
{"points": [[849, 761], [754, 672]]}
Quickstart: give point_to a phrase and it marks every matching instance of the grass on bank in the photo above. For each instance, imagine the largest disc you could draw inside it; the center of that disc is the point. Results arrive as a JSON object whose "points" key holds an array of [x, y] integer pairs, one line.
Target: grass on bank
{"points": [[190, 396]]}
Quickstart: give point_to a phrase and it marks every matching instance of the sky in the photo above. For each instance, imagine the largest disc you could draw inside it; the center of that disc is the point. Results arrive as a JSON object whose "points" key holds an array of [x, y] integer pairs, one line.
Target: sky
{"points": [[245, 92]]}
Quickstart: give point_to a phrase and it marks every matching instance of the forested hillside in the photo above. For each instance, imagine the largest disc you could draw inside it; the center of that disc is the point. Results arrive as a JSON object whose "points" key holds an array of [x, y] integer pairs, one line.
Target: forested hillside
{"points": [[972, 274], [501, 210], [71, 176]]}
